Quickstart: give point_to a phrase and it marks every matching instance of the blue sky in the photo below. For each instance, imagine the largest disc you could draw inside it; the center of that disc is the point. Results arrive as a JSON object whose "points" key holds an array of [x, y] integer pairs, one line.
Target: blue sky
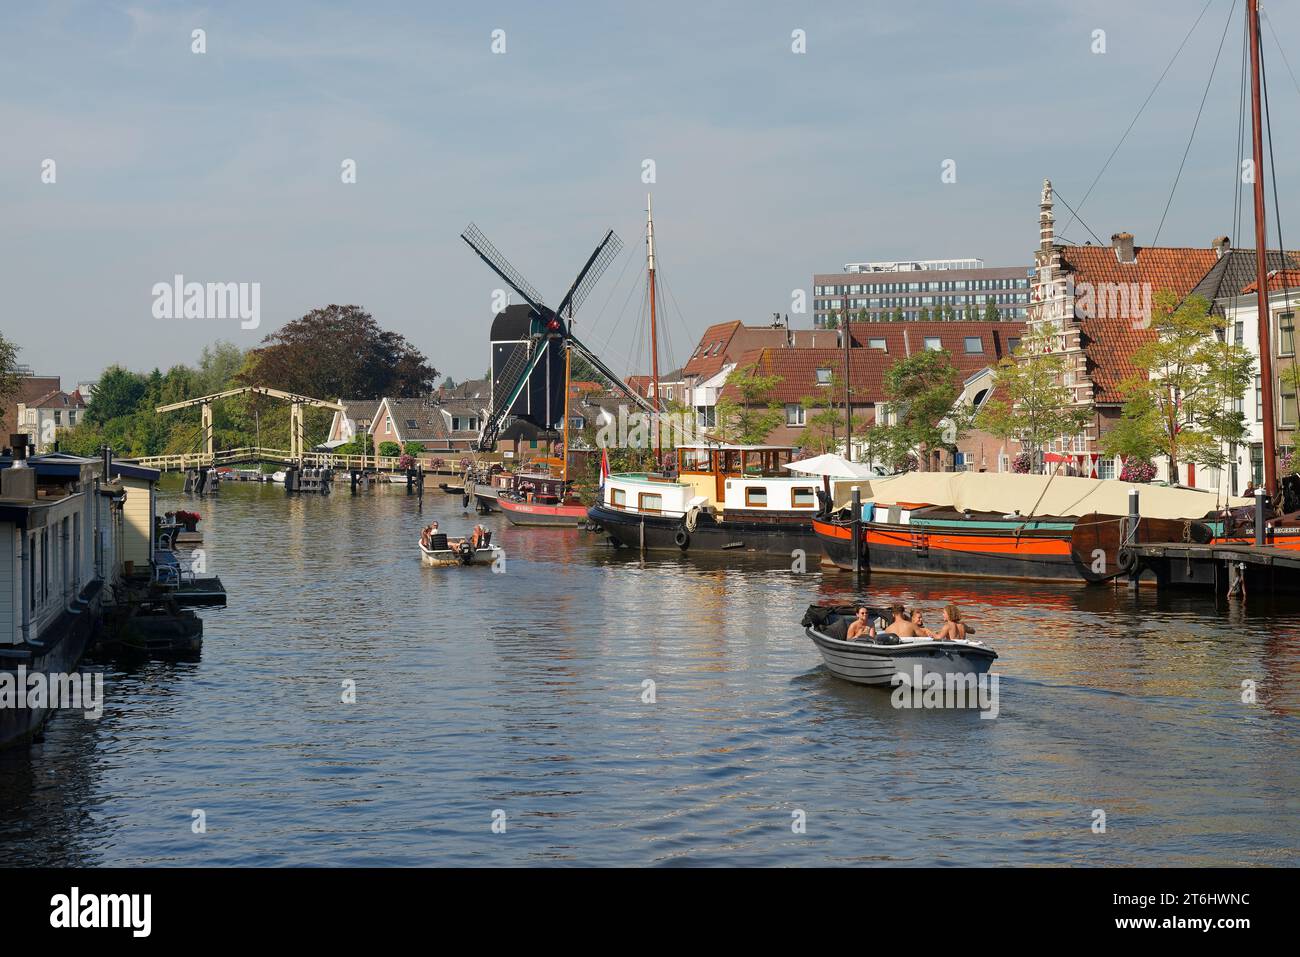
{"points": [[770, 165]]}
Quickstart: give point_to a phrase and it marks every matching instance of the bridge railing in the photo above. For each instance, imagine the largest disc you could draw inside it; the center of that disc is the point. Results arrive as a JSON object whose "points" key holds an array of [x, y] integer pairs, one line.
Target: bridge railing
{"points": [[250, 454]]}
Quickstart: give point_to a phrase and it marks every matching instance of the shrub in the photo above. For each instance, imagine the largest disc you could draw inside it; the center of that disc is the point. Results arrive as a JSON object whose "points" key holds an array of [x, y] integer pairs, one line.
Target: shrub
{"points": [[413, 448], [390, 449]]}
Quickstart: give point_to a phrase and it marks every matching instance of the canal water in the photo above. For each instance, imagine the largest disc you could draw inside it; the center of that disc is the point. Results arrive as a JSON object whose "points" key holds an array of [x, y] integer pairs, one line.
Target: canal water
{"points": [[521, 698]]}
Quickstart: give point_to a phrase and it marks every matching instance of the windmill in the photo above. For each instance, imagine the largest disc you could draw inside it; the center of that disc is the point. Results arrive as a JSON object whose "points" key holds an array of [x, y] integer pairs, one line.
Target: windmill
{"points": [[532, 385]]}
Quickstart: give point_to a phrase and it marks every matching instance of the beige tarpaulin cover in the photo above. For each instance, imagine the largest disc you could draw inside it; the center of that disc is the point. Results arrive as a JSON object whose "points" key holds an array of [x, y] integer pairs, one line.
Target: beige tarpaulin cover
{"points": [[1006, 492]]}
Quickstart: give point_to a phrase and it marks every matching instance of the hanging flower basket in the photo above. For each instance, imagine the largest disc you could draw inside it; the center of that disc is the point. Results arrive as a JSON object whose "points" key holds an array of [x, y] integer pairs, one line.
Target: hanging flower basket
{"points": [[1022, 463]]}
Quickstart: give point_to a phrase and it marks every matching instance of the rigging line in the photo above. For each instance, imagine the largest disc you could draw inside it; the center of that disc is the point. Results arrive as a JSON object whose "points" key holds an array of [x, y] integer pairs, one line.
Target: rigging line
{"points": [[1058, 195], [632, 287], [614, 288], [1267, 19], [1277, 209], [1199, 110], [681, 318], [1140, 110]]}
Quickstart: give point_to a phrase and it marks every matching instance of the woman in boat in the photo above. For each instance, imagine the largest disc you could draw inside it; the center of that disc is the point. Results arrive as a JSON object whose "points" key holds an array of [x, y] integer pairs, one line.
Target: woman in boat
{"points": [[953, 628]]}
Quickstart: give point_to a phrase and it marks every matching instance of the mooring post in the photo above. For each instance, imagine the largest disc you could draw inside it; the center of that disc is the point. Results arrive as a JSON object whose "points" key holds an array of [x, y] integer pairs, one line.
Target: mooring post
{"points": [[857, 530], [642, 534], [1130, 536], [1259, 516]]}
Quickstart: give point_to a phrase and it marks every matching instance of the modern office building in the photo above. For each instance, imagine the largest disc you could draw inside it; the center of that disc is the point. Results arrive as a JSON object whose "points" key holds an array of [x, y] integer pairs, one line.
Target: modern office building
{"points": [[921, 289]]}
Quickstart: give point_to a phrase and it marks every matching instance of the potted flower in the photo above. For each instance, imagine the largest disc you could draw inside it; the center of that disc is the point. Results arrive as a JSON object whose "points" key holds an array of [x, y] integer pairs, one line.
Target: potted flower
{"points": [[188, 520]]}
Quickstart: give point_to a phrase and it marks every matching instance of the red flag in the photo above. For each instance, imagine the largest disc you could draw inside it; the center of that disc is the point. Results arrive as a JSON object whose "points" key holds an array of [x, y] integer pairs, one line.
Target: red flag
{"points": [[604, 465]]}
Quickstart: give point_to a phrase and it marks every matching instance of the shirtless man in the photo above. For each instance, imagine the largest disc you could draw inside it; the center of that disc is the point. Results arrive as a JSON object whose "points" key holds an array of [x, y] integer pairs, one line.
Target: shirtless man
{"points": [[860, 625], [900, 626]]}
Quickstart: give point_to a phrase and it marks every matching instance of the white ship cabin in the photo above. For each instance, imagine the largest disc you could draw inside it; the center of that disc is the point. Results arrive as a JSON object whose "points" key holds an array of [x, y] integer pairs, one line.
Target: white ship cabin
{"points": [[719, 478]]}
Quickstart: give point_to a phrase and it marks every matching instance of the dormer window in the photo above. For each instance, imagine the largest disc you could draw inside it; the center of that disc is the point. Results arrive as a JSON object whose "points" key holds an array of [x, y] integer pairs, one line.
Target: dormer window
{"points": [[823, 376]]}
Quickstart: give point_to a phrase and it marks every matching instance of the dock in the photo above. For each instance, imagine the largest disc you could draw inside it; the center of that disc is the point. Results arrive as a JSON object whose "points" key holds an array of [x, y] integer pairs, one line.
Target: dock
{"points": [[1223, 565]]}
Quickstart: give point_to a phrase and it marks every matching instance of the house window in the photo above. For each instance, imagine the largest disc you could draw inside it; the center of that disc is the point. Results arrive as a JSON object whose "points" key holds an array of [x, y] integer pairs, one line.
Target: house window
{"points": [[576, 422], [1286, 333], [1288, 406], [72, 417], [1106, 468], [1239, 333], [410, 423], [803, 498], [932, 343], [756, 496], [823, 376], [651, 502], [708, 416], [974, 345], [388, 424], [794, 414], [58, 417], [1013, 344], [877, 344], [1259, 401], [617, 497]]}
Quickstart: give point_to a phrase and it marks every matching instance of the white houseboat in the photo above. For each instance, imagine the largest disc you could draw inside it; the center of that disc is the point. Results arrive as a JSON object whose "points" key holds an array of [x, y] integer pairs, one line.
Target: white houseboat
{"points": [[723, 498]]}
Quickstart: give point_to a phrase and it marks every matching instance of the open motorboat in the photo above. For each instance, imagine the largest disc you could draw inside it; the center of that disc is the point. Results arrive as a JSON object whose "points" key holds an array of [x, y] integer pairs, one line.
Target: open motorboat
{"points": [[866, 661], [440, 551]]}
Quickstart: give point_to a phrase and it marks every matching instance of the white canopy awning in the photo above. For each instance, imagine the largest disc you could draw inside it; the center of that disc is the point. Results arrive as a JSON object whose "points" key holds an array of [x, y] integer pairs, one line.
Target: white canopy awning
{"points": [[1006, 492], [835, 466]]}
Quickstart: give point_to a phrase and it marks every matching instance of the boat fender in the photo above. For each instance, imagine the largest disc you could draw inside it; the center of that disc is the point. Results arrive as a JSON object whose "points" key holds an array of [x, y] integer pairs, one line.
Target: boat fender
{"points": [[1127, 559], [682, 538]]}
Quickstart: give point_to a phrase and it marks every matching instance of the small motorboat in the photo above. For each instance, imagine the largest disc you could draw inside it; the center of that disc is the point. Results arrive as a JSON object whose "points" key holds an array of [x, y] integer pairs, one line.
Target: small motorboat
{"points": [[440, 551], [278, 477], [452, 488], [866, 661]]}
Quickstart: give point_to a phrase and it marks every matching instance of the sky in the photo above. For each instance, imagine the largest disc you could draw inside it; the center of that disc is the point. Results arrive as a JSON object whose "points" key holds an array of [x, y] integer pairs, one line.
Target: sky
{"points": [[769, 164]]}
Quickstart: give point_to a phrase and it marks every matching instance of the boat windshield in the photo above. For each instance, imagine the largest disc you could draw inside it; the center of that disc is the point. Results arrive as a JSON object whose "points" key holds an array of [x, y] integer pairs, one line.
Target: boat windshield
{"points": [[756, 461]]}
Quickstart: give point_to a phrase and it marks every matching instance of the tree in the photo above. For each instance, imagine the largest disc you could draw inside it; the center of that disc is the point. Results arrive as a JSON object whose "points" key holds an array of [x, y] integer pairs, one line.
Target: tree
{"points": [[390, 449], [118, 393], [8, 377], [751, 417], [1030, 404], [1186, 376], [824, 421], [340, 351], [991, 313], [921, 390], [897, 315]]}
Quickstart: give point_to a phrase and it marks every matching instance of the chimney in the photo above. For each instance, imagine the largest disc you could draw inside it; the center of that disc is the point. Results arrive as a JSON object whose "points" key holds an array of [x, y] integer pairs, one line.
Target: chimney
{"points": [[18, 441], [1222, 246], [1123, 243]]}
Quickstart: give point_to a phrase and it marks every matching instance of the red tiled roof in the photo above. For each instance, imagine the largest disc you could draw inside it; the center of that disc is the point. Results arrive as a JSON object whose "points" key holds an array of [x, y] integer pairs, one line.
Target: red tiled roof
{"points": [[867, 366], [1278, 279], [725, 341], [1109, 342]]}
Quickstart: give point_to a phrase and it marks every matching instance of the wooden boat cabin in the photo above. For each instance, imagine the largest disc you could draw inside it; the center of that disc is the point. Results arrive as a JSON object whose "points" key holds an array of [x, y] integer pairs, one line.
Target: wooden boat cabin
{"points": [[735, 480]]}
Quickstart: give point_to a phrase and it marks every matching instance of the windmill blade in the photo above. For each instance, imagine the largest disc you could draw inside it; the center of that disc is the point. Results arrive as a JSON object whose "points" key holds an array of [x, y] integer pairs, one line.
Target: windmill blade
{"points": [[498, 263], [641, 402], [596, 265]]}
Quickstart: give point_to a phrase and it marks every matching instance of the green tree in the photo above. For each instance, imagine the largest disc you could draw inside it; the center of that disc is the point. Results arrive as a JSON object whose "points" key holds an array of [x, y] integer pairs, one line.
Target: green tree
{"points": [[746, 414], [991, 313], [1030, 404], [8, 379], [391, 449], [921, 390], [1186, 376], [825, 420], [117, 394], [897, 315]]}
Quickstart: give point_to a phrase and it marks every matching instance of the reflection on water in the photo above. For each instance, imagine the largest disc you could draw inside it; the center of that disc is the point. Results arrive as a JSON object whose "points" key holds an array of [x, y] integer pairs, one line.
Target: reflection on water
{"points": [[526, 692]]}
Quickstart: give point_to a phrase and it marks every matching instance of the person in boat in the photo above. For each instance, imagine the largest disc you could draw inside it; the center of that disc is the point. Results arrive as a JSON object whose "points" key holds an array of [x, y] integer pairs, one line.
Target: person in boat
{"points": [[900, 626], [861, 624], [953, 628]]}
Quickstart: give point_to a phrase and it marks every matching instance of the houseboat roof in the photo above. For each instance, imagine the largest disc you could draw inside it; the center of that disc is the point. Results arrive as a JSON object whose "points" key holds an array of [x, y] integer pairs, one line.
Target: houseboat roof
{"points": [[728, 447]]}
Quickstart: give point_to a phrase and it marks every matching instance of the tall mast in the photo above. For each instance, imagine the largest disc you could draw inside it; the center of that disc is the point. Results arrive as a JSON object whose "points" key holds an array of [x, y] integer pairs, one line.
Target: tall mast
{"points": [[1265, 324], [848, 406], [654, 336]]}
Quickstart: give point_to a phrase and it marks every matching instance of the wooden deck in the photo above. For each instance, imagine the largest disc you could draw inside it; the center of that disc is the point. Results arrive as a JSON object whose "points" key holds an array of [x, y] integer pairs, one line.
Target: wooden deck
{"points": [[1222, 566]]}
